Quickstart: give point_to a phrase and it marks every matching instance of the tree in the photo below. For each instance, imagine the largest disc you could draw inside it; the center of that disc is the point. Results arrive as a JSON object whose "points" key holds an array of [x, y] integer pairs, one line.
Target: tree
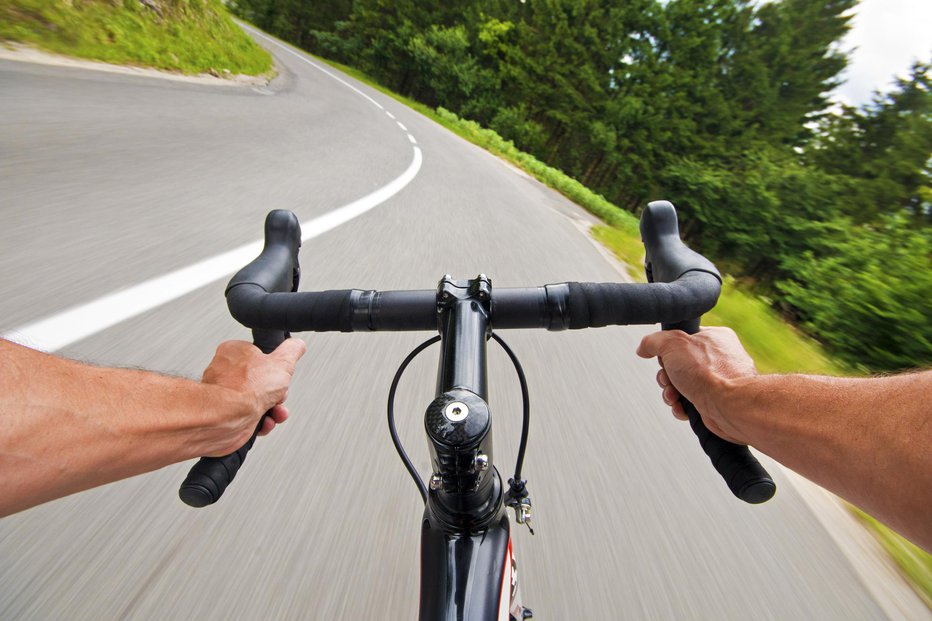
{"points": [[867, 294], [883, 150]]}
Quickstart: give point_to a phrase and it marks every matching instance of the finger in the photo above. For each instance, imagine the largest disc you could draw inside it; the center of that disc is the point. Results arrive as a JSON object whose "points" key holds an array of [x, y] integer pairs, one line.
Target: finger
{"points": [[279, 414], [234, 347], [267, 426], [290, 351], [679, 412], [651, 344], [670, 395], [662, 378]]}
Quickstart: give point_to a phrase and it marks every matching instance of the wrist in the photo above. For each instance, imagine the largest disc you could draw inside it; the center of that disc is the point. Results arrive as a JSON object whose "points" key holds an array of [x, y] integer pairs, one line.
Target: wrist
{"points": [[230, 420], [734, 406]]}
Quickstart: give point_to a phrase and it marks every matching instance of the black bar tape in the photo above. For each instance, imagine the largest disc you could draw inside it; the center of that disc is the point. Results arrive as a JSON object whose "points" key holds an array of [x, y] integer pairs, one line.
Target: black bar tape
{"points": [[305, 311], [594, 305], [254, 293], [210, 476], [743, 474]]}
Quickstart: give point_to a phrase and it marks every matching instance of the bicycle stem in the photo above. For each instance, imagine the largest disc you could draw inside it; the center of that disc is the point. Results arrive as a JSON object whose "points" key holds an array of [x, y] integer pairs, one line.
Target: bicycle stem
{"points": [[465, 492]]}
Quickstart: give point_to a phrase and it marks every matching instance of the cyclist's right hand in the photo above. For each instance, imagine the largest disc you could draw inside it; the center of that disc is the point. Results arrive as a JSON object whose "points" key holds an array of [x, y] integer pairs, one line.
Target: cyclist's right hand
{"points": [[257, 383], [701, 367]]}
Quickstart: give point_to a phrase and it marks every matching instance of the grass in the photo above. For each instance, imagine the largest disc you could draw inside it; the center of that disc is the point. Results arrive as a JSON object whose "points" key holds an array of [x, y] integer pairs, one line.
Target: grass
{"points": [[189, 36], [912, 561]]}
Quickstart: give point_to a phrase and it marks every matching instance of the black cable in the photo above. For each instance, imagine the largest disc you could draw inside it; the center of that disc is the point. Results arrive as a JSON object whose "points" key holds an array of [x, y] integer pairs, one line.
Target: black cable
{"points": [[391, 416], [526, 423]]}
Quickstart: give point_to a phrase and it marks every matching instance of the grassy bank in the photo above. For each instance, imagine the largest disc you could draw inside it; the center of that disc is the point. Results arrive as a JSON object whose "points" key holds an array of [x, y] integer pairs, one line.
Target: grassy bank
{"points": [[775, 345], [913, 561], [190, 36]]}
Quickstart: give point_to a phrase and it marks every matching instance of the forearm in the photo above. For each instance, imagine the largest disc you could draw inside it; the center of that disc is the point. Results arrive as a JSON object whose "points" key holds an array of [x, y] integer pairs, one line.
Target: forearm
{"points": [[67, 427], [868, 440]]}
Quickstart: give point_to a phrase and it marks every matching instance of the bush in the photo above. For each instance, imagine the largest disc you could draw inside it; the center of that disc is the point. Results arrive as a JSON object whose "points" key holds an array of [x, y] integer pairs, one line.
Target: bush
{"points": [[868, 295]]}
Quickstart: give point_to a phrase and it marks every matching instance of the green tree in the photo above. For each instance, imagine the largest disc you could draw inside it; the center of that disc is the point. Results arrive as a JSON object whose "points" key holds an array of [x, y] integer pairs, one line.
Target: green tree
{"points": [[867, 294], [884, 150]]}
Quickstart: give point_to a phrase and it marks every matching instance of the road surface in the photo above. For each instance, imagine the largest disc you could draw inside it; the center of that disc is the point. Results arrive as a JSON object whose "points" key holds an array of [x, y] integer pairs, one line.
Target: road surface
{"points": [[108, 181]]}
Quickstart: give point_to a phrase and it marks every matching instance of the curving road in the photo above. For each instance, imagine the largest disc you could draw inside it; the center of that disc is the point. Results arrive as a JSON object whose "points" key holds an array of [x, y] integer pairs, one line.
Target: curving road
{"points": [[110, 181]]}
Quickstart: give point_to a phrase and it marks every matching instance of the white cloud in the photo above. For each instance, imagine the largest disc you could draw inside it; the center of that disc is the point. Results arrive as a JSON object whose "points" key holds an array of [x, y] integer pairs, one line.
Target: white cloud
{"points": [[889, 35]]}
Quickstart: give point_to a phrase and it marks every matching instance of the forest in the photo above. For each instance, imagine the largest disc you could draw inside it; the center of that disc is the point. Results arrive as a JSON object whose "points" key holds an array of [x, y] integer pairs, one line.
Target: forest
{"points": [[721, 106]]}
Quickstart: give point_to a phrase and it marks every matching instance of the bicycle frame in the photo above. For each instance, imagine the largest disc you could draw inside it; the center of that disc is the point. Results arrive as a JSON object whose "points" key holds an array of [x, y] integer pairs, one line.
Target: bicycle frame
{"points": [[467, 565]]}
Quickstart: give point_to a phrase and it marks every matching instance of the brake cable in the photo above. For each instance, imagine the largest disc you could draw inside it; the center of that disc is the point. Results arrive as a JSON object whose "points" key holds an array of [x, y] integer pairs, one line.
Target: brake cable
{"points": [[517, 492]]}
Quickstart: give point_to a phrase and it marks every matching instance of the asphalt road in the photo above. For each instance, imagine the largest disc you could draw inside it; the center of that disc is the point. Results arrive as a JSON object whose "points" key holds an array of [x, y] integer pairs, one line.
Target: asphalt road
{"points": [[107, 181]]}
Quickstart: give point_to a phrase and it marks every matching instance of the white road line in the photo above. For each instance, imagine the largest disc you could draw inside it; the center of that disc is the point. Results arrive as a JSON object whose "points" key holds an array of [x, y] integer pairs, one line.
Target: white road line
{"points": [[335, 77], [79, 322], [313, 64], [58, 331]]}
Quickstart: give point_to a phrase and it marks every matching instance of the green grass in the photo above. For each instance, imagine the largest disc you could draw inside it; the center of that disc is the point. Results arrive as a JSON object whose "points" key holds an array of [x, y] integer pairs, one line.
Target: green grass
{"points": [[774, 344], [190, 36], [625, 242], [914, 562]]}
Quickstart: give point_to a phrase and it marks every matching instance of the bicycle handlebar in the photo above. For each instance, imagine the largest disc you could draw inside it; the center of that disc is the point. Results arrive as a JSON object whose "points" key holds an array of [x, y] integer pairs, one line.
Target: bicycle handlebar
{"points": [[682, 286], [668, 259]]}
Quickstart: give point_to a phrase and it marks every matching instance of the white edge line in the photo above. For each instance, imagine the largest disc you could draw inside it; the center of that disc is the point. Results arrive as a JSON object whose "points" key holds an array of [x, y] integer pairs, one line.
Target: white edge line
{"points": [[390, 115], [313, 64], [411, 138], [401, 125], [63, 329]]}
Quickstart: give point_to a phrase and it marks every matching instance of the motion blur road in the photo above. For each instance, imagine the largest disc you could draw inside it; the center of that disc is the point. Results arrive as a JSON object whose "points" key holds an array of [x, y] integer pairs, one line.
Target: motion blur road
{"points": [[107, 181]]}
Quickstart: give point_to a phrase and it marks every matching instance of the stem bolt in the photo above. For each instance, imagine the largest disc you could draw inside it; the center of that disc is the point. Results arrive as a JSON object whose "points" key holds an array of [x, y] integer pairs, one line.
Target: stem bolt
{"points": [[456, 411]]}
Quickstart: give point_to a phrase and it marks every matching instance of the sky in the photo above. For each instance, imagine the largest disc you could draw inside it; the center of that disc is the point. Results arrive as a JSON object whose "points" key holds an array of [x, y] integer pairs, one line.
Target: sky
{"points": [[888, 35]]}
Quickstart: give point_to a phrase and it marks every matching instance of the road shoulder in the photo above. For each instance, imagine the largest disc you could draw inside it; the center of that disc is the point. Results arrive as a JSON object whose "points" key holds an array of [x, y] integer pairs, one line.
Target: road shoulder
{"points": [[24, 53]]}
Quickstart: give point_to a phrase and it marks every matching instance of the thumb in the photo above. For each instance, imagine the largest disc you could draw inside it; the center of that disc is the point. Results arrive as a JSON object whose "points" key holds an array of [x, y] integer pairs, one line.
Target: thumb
{"points": [[290, 351]]}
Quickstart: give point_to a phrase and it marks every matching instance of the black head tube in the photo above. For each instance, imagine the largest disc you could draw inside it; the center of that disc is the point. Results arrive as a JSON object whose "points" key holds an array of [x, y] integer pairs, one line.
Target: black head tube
{"points": [[667, 257]]}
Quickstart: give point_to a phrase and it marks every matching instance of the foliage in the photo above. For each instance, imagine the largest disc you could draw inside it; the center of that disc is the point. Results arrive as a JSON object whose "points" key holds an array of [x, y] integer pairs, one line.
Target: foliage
{"points": [[718, 105], [867, 294], [191, 36], [883, 151]]}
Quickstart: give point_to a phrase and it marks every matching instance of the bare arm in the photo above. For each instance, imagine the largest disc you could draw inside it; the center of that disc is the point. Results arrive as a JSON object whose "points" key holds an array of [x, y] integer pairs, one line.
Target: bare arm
{"points": [[66, 426], [868, 439]]}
